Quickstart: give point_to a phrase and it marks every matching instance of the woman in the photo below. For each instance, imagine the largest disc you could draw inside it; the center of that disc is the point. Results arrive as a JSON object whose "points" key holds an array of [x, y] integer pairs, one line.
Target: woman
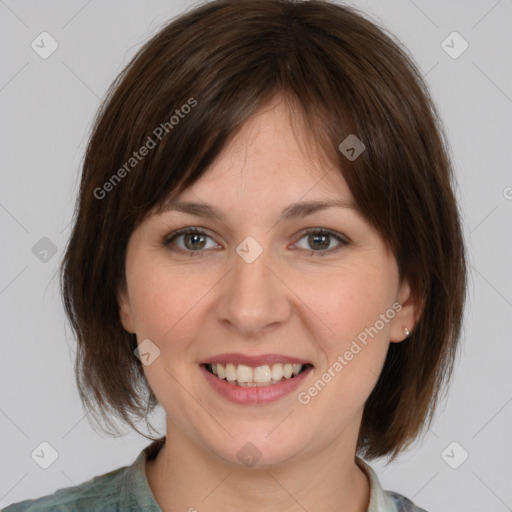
{"points": [[266, 244]]}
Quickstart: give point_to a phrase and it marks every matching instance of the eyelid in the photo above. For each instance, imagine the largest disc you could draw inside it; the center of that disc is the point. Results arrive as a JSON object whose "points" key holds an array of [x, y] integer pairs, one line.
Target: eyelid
{"points": [[312, 231]]}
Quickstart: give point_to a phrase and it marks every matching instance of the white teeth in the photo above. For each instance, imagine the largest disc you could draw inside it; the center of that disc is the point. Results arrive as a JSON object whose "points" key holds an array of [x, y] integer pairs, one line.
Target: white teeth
{"points": [[249, 376], [277, 371], [262, 374], [230, 372], [244, 373]]}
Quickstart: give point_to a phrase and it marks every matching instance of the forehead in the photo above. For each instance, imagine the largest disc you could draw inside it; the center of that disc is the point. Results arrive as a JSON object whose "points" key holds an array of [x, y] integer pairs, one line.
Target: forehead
{"points": [[274, 156]]}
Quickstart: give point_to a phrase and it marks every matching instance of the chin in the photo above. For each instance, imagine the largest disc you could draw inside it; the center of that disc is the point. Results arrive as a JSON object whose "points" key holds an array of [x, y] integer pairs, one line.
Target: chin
{"points": [[258, 450]]}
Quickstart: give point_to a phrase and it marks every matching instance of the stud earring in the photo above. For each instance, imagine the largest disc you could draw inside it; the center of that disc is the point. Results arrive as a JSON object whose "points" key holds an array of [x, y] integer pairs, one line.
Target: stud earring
{"points": [[406, 331]]}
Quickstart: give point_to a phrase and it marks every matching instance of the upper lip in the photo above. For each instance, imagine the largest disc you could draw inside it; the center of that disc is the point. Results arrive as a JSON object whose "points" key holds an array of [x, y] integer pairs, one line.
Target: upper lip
{"points": [[259, 360]]}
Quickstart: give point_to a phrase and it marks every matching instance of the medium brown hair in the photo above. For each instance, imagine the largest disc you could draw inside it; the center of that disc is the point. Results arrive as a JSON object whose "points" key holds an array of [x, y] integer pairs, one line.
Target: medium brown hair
{"points": [[340, 74]]}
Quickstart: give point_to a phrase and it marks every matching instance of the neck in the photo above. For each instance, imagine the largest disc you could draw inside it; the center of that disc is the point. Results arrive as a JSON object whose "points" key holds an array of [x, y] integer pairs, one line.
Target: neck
{"points": [[185, 476]]}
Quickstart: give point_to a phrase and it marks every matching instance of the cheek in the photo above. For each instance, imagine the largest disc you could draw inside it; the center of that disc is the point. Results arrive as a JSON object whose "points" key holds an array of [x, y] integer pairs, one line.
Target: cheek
{"points": [[344, 303], [167, 308], [169, 302], [345, 311], [353, 339]]}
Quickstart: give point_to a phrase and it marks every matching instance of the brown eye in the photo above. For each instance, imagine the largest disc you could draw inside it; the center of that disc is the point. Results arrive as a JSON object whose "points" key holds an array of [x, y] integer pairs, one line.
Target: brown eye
{"points": [[321, 241], [189, 240], [194, 241], [316, 241]]}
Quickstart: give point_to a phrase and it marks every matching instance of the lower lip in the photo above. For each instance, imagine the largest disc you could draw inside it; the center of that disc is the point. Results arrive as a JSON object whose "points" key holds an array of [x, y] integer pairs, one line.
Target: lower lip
{"points": [[256, 394]]}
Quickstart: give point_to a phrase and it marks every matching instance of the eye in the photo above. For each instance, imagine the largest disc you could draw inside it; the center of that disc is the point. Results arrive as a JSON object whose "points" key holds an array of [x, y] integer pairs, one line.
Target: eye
{"points": [[321, 241], [194, 240], [190, 240]]}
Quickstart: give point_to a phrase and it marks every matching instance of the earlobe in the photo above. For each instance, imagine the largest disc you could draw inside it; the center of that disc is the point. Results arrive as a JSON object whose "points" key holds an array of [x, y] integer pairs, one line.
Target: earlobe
{"points": [[125, 312], [405, 320]]}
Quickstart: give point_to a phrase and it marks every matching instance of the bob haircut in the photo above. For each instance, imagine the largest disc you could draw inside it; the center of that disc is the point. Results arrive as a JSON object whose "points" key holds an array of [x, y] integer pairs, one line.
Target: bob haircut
{"points": [[184, 96]]}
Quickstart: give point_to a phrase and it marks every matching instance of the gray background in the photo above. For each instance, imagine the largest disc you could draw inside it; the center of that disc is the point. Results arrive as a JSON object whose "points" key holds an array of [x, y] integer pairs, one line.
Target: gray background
{"points": [[46, 110]]}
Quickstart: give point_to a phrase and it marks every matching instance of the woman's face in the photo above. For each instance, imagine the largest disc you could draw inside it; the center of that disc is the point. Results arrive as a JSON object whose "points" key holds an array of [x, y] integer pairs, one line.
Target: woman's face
{"points": [[254, 287]]}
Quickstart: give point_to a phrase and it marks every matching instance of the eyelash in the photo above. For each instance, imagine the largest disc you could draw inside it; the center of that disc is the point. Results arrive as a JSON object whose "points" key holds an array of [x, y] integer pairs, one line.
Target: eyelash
{"points": [[200, 231]]}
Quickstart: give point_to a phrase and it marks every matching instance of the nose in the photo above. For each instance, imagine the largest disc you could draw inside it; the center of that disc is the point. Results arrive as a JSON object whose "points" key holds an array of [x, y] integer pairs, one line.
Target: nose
{"points": [[253, 301]]}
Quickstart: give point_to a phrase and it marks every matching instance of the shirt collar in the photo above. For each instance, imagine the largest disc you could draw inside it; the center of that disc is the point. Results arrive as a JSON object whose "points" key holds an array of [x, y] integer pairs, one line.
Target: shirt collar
{"points": [[379, 500]]}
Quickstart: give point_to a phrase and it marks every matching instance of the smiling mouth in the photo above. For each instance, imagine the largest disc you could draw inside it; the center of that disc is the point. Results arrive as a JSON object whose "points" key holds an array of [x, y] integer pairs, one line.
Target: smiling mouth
{"points": [[264, 375]]}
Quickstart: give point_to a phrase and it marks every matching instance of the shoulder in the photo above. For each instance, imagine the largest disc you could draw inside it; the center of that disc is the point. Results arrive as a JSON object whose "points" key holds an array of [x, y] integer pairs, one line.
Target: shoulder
{"points": [[403, 504], [99, 493]]}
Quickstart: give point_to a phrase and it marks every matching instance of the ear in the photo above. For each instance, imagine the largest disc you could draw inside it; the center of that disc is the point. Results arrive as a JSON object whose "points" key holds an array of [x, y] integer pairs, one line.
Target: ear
{"points": [[407, 315], [125, 311]]}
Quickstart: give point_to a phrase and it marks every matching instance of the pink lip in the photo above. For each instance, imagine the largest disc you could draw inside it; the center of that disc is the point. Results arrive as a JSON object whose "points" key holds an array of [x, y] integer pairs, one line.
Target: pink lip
{"points": [[237, 358], [254, 395]]}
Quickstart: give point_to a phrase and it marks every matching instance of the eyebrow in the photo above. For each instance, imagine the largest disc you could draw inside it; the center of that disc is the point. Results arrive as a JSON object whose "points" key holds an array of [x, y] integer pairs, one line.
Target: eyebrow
{"points": [[293, 211]]}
